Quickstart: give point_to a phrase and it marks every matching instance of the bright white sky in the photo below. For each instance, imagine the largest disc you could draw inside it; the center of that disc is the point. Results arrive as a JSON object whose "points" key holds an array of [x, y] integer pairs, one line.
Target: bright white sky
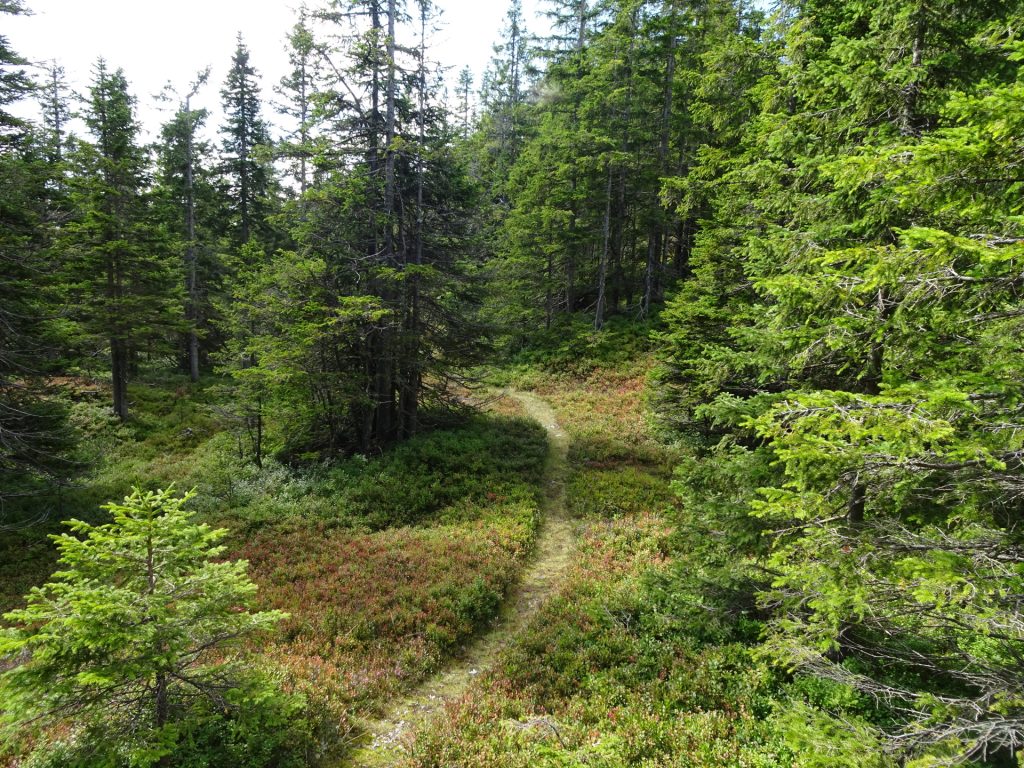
{"points": [[159, 40]]}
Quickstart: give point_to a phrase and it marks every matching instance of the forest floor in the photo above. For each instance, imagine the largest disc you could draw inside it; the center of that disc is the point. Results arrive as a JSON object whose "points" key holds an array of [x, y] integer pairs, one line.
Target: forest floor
{"points": [[628, 662], [520, 587], [388, 565], [389, 736]]}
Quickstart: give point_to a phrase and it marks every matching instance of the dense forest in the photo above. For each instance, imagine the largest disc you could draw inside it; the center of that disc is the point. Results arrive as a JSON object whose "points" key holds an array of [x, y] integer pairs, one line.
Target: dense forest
{"points": [[654, 397]]}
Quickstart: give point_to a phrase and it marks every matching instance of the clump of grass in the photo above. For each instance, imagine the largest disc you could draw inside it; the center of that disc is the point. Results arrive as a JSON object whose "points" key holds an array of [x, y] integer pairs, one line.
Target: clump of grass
{"points": [[600, 492], [486, 459]]}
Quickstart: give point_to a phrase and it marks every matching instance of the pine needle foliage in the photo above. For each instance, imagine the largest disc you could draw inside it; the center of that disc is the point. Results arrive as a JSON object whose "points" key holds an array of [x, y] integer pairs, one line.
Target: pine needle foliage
{"points": [[131, 633]]}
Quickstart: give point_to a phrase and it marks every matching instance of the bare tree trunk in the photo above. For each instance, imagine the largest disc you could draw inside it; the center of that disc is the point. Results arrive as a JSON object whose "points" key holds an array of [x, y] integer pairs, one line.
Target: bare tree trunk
{"points": [[602, 273], [909, 119], [570, 269], [581, 26], [858, 499], [876, 356], [192, 307], [258, 442], [412, 379], [119, 376], [118, 344], [549, 271], [162, 705], [384, 395], [653, 246]]}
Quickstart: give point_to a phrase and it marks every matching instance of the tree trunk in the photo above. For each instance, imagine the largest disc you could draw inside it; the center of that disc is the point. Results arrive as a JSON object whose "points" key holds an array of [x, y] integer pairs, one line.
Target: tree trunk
{"points": [[389, 149], [119, 376], [618, 243], [619, 240], [258, 452], [855, 508], [384, 394], [570, 258], [653, 246], [602, 273], [162, 705], [243, 168], [876, 356], [192, 307], [570, 271], [909, 118], [548, 299], [303, 125], [685, 232], [412, 379], [657, 231], [118, 344]]}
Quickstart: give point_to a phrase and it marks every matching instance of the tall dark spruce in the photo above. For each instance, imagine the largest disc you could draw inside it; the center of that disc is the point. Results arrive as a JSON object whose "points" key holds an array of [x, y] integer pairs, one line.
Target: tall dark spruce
{"points": [[121, 273]]}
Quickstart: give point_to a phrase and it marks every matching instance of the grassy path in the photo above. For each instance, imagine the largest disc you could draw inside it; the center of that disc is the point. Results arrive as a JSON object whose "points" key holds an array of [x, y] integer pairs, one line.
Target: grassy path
{"points": [[388, 736]]}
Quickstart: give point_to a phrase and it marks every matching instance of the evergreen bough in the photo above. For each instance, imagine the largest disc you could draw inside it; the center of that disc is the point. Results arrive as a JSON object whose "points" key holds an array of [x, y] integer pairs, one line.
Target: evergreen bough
{"points": [[129, 638]]}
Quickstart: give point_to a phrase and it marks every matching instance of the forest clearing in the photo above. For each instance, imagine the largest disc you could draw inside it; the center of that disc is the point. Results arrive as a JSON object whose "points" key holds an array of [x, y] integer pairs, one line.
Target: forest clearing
{"points": [[652, 396]]}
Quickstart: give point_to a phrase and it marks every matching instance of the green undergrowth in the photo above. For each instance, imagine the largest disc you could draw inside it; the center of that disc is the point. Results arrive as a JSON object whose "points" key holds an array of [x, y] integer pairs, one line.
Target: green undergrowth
{"points": [[571, 350], [386, 564], [650, 655], [486, 468], [608, 675], [607, 493], [177, 435]]}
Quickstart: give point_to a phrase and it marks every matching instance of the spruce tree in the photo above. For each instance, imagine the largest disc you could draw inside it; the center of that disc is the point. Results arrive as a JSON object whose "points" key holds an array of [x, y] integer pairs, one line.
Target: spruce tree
{"points": [[33, 437], [244, 133], [14, 80], [128, 638], [465, 99], [851, 337], [505, 120], [297, 91], [54, 100], [118, 256], [192, 207], [383, 238]]}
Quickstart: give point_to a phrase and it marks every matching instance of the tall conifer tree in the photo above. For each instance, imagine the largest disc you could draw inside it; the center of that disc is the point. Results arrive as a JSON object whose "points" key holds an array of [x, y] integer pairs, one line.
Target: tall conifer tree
{"points": [[244, 132], [118, 255], [32, 431], [192, 207]]}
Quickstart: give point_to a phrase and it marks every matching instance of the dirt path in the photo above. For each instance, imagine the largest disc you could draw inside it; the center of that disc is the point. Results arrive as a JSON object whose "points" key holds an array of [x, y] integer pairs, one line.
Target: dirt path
{"points": [[555, 545]]}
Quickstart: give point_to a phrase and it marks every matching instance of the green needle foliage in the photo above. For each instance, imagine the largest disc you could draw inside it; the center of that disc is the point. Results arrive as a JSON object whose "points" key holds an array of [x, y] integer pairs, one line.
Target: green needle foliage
{"points": [[846, 363], [128, 638]]}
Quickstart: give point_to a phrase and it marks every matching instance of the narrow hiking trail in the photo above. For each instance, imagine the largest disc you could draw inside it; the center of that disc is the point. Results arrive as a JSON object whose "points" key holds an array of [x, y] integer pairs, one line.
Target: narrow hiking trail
{"points": [[387, 737]]}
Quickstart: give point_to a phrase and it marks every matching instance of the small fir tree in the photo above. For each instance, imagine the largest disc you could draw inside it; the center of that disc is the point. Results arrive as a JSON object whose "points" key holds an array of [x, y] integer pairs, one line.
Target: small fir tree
{"points": [[131, 633]]}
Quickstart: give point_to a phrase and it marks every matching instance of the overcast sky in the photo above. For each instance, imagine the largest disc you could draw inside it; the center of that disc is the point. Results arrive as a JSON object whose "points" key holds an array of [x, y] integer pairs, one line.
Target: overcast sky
{"points": [[159, 40]]}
